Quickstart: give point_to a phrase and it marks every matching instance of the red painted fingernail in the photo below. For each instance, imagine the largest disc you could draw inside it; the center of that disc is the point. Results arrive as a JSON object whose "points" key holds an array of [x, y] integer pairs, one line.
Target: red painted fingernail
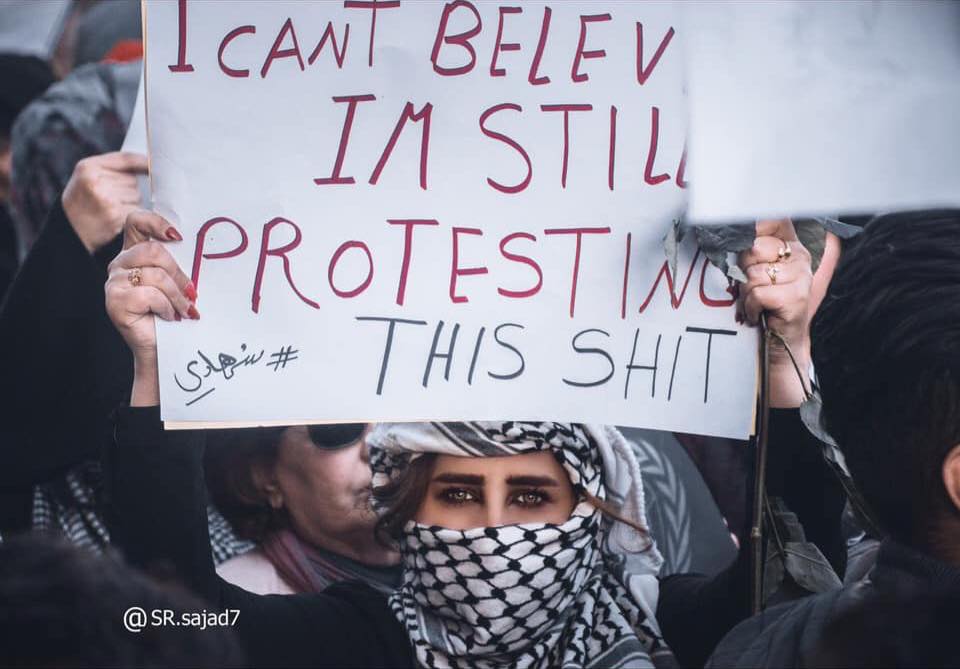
{"points": [[190, 291], [173, 235], [193, 313]]}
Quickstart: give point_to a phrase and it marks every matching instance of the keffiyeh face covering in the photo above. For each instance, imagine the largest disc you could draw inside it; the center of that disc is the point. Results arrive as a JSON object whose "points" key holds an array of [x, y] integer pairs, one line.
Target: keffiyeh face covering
{"points": [[578, 594]]}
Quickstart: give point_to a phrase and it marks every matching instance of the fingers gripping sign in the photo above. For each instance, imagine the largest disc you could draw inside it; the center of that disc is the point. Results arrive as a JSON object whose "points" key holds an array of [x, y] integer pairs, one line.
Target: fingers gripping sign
{"points": [[145, 281], [779, 277], [101, 192], [142, 226], [779, 280]]}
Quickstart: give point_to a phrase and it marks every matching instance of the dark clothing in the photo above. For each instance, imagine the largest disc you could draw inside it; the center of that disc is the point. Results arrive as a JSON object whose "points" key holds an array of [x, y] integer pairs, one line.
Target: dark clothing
{"points": [[696, 611], [798, 474], [724, 464], [24, 79], [8, 250], [795, 472], [159, 475], [790, 635], [65, 366], [57, 345]]}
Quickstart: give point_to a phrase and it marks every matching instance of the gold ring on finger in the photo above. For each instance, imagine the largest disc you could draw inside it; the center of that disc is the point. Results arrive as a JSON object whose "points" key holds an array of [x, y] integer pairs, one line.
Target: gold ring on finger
{"points": [[784, 252], [135, 276], [772, 271]]}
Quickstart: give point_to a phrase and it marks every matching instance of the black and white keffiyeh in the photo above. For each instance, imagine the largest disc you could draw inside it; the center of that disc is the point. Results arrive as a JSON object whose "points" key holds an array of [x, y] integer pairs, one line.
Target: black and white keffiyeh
{"points": [[71, 507], [579, 594]]}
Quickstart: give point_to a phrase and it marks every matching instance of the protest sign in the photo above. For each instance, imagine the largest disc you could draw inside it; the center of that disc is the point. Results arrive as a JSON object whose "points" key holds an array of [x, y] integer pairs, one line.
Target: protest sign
{"points": [[419, 210], [822, 108], [135, 141]]}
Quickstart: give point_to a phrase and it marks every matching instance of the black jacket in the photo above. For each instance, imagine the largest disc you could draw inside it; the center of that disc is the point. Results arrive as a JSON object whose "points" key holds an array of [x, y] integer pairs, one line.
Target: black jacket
{"points": [[64, 366], [792, 635], [695, 611]]}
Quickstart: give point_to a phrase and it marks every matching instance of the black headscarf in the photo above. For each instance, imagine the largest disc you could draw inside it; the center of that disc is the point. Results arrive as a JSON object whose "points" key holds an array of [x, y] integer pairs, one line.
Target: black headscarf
{"points": [[23, 79]]}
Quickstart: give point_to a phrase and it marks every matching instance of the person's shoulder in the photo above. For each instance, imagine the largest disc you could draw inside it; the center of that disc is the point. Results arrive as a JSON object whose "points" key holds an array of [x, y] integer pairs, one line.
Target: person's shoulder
{"points": [[347, 625], [365, 603], [350, 606], [363, 596], [366, 629], [778, 636], [253, 572]]}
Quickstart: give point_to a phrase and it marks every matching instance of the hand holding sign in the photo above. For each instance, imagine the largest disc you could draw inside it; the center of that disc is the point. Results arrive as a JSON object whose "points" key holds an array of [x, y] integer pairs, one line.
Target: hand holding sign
{"points": [[144, 281], [779, 282], [101, 192]]}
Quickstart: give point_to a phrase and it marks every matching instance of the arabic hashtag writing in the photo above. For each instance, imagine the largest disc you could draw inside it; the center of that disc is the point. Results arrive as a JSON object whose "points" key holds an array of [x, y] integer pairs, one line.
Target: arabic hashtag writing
{"points": [[204, 370]]}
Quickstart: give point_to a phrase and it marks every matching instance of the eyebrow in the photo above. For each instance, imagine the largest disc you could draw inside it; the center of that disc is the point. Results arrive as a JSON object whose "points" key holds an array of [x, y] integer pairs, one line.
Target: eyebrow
{"points": [[542, 481], [475, 479], [465, 479]]}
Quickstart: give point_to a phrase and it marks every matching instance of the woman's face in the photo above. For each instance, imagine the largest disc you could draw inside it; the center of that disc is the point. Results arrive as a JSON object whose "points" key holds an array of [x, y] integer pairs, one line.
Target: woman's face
{"points": [[326, 492], [466, 492]]}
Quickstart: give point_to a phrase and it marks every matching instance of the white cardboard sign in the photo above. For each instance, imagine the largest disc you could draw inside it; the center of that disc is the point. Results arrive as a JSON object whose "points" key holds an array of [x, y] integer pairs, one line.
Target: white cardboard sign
{"points": [[822, 107], [434, 211], [135, 140]]}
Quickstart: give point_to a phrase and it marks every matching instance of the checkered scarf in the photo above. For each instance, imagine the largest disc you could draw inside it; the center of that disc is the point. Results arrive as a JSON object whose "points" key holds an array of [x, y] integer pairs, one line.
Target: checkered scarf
{"points": [[72, 507], [578, 594]]}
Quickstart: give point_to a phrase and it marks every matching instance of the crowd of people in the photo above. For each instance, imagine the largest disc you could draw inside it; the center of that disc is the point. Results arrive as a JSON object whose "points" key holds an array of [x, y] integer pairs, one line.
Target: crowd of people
{"points": [[458, 544]]}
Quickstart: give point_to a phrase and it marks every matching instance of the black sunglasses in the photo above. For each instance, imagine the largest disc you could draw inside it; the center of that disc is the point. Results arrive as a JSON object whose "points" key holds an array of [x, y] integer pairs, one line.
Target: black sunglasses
{"points": [[335, 436]]}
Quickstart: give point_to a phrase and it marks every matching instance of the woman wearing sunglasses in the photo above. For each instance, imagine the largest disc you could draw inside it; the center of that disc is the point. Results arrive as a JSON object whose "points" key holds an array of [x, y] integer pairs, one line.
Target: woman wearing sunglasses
{"points": [[522, 543], [302, 494]]}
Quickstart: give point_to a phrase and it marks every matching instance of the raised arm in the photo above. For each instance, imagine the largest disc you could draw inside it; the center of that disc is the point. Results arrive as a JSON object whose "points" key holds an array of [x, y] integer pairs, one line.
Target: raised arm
{"points": [[782, 285], [695, 611], [153, 474], [64, 364]]}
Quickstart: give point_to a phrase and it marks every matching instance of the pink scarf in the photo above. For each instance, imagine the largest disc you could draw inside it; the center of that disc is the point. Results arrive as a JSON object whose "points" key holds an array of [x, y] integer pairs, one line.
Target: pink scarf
{"points": [[307, 568]]}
